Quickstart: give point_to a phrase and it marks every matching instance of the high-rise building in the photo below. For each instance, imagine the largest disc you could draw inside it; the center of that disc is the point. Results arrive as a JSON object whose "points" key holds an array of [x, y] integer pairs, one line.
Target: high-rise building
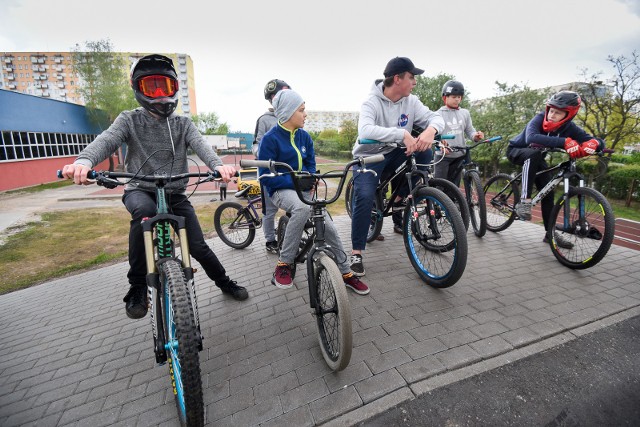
{"points": [[50, 75]]}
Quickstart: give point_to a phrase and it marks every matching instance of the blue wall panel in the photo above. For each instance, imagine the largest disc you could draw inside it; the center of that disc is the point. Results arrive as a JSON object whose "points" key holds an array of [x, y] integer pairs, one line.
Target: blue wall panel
{"points": [[20, 112]]}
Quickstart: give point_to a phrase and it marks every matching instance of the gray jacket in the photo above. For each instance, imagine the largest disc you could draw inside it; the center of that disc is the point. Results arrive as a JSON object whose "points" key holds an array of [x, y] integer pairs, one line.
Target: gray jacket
{"points": [[385, 121], [264, 124], [154, 146], [458, 123]]}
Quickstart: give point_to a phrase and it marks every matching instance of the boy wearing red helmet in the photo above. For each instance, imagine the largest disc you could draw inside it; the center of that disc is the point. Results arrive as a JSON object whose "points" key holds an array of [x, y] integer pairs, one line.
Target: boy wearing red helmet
{"points": [[553, 128]]}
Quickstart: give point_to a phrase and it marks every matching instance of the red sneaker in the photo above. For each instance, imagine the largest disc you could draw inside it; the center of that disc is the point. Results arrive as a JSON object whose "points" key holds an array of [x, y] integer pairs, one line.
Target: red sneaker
{"points": [[354, 283], [282, 277]]}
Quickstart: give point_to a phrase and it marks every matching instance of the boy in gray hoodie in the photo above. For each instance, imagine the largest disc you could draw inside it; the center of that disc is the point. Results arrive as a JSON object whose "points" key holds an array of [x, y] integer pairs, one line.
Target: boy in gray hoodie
{"points": [[157, 142], [388, 115]]}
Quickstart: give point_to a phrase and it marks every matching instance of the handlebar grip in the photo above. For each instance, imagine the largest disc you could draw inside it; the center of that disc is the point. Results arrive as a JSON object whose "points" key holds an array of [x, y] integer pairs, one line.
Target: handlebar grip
{"points": [[372, 159], [369, 141], [255, 163], [439, 137], [608, 151], [493, 139], [91, 174]]}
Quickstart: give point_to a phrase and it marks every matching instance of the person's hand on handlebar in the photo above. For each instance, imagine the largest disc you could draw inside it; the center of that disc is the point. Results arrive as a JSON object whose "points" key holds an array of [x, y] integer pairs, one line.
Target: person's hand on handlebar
{"points": [[425, 139], [478, 136], [226, 172], [78, 173]]}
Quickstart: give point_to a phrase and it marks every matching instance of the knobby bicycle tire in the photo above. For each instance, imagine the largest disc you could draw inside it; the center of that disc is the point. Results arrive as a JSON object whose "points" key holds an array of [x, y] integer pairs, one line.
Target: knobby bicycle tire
{"points": [[501, 195], [348, 193], [333, 313], [591, 233], [456, 196], [435, 238], [234, 225], [476, 202], [182, 344]]}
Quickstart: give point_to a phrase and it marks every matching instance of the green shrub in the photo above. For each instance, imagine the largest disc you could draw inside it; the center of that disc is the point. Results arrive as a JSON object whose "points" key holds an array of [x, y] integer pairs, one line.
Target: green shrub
{"points": [[618, 182]]}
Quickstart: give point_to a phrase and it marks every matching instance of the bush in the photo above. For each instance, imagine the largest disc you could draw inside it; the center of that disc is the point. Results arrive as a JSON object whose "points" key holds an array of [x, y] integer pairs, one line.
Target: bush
{"points": [[618, 182]]}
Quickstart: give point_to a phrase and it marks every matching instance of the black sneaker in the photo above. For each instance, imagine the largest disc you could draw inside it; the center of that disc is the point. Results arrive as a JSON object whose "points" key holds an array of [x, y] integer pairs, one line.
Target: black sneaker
{"points": [[272, 247], [355, 262], [560, 241], [231, 288], [136, 302]]}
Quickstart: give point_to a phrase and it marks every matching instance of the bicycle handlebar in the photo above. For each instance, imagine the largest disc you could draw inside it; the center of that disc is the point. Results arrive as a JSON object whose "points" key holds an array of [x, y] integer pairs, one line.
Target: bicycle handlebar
{"points": [[373, 141], [111, 178], [296, 176]]}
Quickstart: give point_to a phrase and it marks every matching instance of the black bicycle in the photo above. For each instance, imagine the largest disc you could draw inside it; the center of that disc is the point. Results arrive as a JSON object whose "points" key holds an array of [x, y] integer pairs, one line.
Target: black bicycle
{"points": [[473, 190], [236, 224], [327, 293], [174, 315], [434, 231], [581, 216]]}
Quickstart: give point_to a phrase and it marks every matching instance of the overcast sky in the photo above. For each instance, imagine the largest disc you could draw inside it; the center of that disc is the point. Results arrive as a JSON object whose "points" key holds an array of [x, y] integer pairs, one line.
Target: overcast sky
{"points": [[330, 51]]}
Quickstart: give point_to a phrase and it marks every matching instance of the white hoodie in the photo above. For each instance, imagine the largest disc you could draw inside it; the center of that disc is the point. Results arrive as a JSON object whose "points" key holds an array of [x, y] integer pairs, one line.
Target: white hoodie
{"points": [[384, 120]]}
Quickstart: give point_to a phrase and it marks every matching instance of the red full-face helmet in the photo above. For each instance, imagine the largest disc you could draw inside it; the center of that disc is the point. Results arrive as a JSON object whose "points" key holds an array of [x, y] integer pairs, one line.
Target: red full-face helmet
{"points": [[566, 101]]}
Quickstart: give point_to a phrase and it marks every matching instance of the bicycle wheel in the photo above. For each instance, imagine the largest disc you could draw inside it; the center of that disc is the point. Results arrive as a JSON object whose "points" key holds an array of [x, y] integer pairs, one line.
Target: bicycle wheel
{"points": [[589, 227], [501, 195], [435, 238], [182, 344], [476, 202], [333, 313], [234, 225], [375, 224], [456, 196], [348, 193]]}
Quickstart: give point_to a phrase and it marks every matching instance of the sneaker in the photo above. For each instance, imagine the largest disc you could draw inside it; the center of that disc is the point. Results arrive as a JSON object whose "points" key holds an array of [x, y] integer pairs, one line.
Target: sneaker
{"points": [[354, 283], [397, 228], [282, 277], [560, 241], [231, 287], [136, 302], [523, 210], [272, 247], [355, 262]]}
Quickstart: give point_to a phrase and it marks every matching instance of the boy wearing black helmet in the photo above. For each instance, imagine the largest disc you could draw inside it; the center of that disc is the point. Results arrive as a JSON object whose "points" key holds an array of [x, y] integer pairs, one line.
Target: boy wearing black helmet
{"points": [[264, 124], [157, 142], [457, 121], [552, 128]]}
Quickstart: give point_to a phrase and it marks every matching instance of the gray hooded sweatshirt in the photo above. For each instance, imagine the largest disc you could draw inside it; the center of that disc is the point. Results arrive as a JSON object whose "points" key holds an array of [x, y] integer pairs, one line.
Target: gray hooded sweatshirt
{"points": [[385, 121], [458, 123], [154, 146]]}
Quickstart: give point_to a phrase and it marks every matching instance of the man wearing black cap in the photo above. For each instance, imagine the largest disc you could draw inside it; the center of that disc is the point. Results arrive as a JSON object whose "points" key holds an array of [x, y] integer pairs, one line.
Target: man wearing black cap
{"points": [[388, 115]]}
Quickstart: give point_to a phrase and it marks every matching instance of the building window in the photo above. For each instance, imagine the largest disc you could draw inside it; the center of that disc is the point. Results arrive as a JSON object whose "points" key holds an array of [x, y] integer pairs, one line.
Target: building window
{"points": [[37, 145]]}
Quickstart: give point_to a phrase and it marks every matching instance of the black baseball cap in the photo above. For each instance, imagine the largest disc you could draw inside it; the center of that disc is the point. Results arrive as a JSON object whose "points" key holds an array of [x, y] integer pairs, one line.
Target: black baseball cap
{"points": [[399, 65]]}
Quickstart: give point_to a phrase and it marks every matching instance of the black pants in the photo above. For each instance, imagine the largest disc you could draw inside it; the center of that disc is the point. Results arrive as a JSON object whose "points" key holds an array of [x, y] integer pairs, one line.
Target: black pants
{"points": [[141, 204], [223, 193], [532, 161]]}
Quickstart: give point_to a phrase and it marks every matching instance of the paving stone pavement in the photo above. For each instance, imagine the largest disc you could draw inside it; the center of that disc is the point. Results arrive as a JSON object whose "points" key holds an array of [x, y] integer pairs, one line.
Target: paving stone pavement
{"points": [[72, 358]]}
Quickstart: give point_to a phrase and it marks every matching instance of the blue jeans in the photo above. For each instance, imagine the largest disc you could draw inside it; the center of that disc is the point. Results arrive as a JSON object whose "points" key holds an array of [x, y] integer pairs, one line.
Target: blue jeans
{"points": [[364, 191]]}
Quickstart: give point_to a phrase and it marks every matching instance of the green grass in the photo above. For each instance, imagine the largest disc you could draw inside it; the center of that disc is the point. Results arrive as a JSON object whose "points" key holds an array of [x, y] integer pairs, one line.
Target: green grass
{"points": [[41, 187]]}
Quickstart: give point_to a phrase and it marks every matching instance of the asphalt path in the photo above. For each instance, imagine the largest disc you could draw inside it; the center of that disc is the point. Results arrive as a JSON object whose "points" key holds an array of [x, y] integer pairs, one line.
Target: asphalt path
{"points": [[592, 380]]}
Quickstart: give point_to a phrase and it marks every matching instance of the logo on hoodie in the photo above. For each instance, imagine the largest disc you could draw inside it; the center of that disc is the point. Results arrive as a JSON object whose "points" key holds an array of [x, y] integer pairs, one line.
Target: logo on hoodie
{"points": [[304, 150], [403, 120]]}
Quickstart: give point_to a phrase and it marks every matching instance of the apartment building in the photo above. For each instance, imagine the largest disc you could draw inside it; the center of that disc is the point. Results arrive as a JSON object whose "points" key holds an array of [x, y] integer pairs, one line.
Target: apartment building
{"points": [[317, 121], [50, 75]]}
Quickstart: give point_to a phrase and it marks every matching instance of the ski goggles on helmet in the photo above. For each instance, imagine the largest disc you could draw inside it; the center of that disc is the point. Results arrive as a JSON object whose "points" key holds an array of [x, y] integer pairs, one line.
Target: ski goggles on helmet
{"points": [[157, 86]]}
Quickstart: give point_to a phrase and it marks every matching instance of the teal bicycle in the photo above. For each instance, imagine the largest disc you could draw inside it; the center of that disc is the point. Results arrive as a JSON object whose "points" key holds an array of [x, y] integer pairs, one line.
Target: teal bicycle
{"points": [[172, 294]]}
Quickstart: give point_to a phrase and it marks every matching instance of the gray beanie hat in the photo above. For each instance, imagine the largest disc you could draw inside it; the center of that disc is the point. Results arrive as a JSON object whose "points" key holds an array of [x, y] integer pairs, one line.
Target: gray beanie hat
{"points": [[285, 103]]}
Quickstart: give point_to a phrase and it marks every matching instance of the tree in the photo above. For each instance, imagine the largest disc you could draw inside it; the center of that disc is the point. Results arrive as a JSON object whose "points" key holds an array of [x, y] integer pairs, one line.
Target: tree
{"points": [[612, 111], [348, 134], [507, 115], [429, 90], [209, 124], [104, 83]]}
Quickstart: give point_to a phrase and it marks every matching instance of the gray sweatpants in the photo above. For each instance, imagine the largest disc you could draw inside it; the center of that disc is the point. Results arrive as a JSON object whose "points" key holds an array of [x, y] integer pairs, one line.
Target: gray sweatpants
{"points": [[288, 200]]}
